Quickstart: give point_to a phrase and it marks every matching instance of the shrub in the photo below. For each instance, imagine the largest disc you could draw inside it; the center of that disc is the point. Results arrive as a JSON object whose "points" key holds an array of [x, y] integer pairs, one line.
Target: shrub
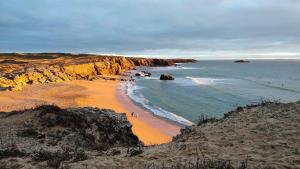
{"points": [[11, 151], [55, 161], [134, 151], [54, 158], [43, 155], [239, 108], [203, 119], [49, 109], [28, 132], [101, 147], [79, 155]]}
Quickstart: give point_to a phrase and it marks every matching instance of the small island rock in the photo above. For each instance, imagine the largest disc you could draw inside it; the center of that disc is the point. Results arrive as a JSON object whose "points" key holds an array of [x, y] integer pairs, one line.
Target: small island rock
{"points": [[241, 61], [166, 77]]}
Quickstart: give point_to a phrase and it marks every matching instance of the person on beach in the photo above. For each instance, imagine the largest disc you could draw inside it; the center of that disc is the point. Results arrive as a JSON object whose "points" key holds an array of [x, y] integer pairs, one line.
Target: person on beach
{"points": [[134, 114]]}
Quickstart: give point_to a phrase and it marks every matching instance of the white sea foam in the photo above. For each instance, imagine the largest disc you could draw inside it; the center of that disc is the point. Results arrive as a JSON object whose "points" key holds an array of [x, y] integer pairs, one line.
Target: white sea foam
{"points": [[190, 68], [165, 68], [140, 99], [210, 81], [152, 78]]}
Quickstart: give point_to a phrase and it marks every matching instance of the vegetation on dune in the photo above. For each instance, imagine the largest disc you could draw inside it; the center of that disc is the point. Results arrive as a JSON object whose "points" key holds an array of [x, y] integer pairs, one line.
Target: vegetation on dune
{"points": [[83, 137], [53, 135]]}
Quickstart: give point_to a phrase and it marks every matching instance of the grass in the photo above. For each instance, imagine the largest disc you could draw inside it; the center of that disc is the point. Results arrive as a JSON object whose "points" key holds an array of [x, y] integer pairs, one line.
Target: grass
{"points": [[55, 158], [200, 162]]}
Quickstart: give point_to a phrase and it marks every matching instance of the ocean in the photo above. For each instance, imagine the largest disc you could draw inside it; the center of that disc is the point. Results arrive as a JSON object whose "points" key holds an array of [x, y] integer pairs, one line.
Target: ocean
{"points": [[212, 88]]}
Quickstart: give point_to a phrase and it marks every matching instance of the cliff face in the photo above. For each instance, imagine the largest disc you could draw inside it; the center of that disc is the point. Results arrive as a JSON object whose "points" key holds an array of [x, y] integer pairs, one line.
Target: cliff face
{"points": [[18, 70]]}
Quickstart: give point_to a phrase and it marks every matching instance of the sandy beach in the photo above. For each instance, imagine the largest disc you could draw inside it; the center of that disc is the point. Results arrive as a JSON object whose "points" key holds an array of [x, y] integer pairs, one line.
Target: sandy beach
{"points": [[166, 126], [100, 93]]}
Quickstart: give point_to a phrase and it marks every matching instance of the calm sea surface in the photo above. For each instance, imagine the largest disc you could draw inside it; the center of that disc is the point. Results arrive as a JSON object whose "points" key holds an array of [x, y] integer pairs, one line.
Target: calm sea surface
{"points": [[215, 87]]}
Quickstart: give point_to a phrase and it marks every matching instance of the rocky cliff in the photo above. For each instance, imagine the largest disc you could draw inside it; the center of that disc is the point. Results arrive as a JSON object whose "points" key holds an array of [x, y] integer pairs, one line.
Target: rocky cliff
{"points": [[18, 70]]}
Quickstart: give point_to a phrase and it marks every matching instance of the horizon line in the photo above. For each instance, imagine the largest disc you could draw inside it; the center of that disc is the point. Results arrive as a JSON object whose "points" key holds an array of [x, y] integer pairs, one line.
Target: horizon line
{"points": [[200, 57]]}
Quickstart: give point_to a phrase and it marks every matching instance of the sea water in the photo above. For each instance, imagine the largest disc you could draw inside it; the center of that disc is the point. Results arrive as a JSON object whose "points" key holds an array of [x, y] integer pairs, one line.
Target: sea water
{"points": [[213, 88]]}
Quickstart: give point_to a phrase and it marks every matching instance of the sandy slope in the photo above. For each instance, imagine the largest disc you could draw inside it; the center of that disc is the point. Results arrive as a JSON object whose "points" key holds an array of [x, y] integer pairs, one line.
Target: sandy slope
{"points": [[265, 136], [98, 93]]}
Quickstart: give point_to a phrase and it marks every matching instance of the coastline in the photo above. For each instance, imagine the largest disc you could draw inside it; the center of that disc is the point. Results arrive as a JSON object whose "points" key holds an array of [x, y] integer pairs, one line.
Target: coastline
{"points": [[99, 93], [167, 126], [240, 135]]}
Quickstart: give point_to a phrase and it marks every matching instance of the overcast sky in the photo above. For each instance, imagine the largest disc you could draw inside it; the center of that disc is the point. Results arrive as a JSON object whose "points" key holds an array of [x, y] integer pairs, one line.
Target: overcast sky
{"points": [[207, 29]]}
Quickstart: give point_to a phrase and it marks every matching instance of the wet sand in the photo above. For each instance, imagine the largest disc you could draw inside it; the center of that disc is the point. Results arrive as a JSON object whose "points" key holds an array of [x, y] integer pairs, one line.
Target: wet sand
{"points": [[101, 94], [167, 127]]}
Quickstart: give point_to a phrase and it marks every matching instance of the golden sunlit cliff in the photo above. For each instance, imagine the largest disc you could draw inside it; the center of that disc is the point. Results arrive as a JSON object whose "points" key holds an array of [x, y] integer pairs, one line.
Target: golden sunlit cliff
{"points": [[19, 69]]}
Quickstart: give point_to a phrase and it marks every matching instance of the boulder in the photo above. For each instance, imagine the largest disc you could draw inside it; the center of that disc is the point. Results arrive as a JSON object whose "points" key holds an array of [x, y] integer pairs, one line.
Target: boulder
{"points": [[146, 73], [241, 61], [166, 77]]}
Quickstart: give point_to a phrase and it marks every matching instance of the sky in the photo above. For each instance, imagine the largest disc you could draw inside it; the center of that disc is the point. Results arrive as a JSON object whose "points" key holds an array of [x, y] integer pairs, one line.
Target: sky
{"points": [[204, 29]]}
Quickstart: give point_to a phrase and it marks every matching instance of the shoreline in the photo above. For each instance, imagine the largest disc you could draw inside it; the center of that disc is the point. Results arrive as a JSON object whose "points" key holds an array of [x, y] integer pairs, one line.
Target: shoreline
{"points": [[168, 127], [98, 93]]}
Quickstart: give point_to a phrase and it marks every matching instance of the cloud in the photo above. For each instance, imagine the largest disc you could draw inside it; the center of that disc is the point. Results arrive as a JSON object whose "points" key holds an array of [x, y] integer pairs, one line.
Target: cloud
{"points": [[141, 26]]}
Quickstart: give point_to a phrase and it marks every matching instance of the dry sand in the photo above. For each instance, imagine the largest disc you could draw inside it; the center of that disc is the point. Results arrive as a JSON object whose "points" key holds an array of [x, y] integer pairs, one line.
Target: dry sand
{"points": [[100, 93]]}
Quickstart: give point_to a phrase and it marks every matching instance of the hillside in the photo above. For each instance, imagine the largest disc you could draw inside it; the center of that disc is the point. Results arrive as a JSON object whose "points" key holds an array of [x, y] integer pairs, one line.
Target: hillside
{"points": [[20, 69], [257, 136]]}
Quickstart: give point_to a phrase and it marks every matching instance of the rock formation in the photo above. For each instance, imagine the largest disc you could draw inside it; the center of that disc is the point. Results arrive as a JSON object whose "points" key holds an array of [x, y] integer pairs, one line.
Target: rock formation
{"points": [[166, 77], [147, 74], [242, 61], [23, 69]]}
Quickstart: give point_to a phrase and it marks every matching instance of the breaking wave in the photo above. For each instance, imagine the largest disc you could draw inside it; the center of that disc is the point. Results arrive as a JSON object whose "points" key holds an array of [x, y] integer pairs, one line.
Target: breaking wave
{"points": [[136, 96]]}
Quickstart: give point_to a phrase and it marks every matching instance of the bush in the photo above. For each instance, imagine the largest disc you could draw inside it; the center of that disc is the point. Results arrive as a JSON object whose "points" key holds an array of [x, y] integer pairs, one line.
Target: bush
{"points": [[55, 161], [55, 158], [44, 155], [101, 147], [11, 151], [203, 119], [29, 132], [48, 109], [239, 108], [134, 151], [79, 155]]}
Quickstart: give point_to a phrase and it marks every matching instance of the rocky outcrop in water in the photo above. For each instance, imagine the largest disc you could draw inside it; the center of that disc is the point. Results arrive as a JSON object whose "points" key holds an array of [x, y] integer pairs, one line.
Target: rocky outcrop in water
{"points": [[166, 77], [242, 61], [23, 69]]}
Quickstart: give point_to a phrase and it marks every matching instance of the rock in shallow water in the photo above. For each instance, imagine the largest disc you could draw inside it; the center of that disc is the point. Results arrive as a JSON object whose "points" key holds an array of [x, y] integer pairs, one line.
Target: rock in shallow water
{"points": [[166, 77]]}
